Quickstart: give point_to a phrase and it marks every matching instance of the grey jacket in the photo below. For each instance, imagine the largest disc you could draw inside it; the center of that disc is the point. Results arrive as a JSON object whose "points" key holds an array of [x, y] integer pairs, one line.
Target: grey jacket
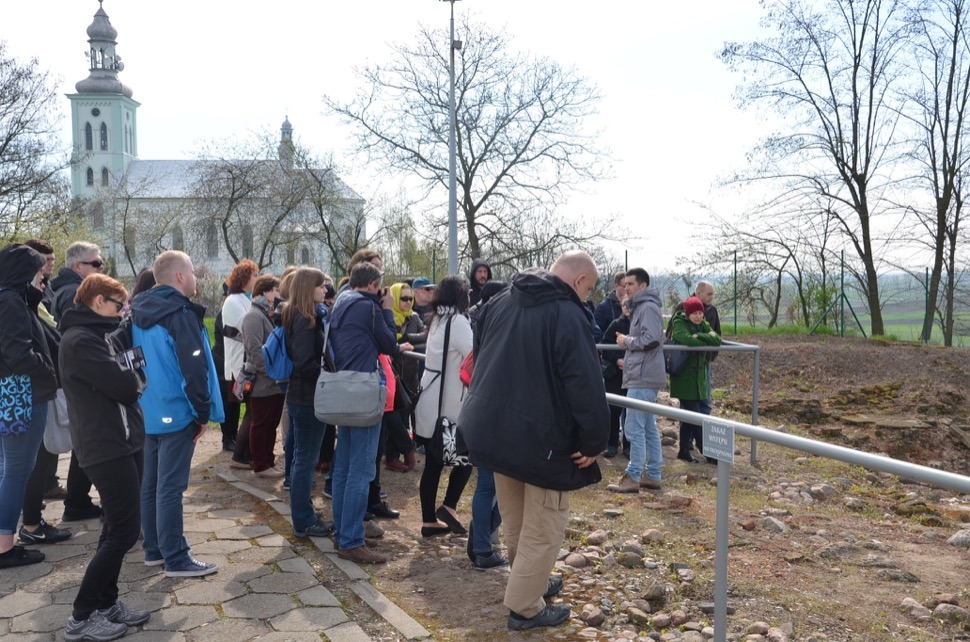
{"points": [[643, 363]]}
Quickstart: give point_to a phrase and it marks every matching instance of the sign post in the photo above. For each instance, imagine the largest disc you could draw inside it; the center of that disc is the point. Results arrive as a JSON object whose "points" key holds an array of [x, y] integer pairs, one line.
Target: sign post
{"points": [[717, 439]]}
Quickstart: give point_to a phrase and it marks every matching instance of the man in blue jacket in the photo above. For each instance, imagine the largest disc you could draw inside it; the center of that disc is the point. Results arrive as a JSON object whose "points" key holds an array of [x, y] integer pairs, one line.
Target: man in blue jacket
{"points": [[181, 398], [362, 327], [537, 416]]}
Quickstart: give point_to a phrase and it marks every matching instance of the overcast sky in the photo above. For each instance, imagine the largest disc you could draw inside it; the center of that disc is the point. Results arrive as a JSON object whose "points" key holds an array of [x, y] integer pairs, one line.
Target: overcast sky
{"points": [[213, 69]]}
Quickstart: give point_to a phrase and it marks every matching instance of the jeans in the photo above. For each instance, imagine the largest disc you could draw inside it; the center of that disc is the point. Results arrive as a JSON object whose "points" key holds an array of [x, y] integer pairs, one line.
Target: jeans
{"points": [[353, 469], [168, 462], [18, 454], [485, 512], [307, 433], [288, 446], [117, 482], [641, 429]]}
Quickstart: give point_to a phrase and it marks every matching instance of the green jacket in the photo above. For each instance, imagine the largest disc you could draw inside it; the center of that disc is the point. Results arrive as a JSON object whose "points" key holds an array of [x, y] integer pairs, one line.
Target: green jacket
{"points": [[691, 383]]}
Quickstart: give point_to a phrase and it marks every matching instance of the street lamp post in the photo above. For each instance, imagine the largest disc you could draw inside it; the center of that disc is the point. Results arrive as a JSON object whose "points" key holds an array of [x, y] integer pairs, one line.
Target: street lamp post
{"points": [[453, 45]]}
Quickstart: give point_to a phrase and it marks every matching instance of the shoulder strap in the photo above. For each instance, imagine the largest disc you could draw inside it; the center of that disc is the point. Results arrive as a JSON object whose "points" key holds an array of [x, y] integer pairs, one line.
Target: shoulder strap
{"points": [[444, 363]]}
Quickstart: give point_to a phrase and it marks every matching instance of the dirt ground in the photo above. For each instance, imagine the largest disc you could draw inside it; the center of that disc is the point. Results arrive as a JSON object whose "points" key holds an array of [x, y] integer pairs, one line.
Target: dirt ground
{"points": [[838, 574]]}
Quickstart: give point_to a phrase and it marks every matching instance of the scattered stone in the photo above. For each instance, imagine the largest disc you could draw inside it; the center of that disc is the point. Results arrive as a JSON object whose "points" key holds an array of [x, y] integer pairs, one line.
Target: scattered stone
{"points": [[654, 591], [629, 560], [794, 558], [896, 575], [678, 617], [608, 560], [945, 598], [651, 535], [951, 613], [708, 607], [962, 538], [822, 491], [692, 636], [802, 460], [597, 537], [636, 615], [757, 628], [632, 546], [775, 525], [612, 512], [592, 615], [679, 501], [685, 575], [776, 635], [661, 620], [749, 524], [915, 610], [643, 605], [576, 560]]}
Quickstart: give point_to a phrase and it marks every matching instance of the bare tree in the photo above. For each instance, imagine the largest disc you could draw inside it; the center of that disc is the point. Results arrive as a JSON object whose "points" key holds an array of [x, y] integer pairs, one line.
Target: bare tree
{"points": [[833, 72], [522, 144], [30, 157]]}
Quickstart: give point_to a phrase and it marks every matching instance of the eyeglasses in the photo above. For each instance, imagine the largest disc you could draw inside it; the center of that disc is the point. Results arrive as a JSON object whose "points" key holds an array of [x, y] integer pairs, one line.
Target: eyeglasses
{"points": [[407, 299], [96, 263], [118, 304]]}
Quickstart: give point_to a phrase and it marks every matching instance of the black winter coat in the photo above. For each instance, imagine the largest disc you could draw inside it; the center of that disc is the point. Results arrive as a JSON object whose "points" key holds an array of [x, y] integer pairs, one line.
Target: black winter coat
{"points": [[537, 395], [102, 395], [304, 344]]}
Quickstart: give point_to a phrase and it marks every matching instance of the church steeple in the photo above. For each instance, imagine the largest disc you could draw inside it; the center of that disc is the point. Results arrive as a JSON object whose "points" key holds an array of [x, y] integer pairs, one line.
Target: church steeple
{"points": [[105, 62], [286, 144]]}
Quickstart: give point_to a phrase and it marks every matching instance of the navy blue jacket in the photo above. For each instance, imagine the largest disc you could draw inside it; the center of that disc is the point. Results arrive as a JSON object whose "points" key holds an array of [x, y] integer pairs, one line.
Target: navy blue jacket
{"points": [[607, 312], [360, 330]]}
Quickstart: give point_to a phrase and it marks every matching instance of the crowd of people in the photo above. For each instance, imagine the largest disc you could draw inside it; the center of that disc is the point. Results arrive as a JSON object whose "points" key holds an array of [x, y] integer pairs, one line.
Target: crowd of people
{"points": [[515, 365]]}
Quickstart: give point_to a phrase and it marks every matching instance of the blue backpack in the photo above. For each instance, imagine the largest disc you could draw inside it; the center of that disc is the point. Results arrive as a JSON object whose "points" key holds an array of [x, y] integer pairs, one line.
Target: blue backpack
{"points": [[279, 366]]}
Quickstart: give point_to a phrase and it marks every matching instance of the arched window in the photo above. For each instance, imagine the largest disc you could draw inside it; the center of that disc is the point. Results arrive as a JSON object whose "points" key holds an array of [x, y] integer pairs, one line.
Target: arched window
{"points": [[130, 237], [104, 137], [90, 177], [97, 215], [105, 176], [178, 238], [305, 256], [88, 137], [290, 255], [211, 241], [247, 241]]}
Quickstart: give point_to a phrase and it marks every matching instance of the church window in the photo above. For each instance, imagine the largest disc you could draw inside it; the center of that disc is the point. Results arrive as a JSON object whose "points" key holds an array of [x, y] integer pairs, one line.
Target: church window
{"points": [[105, 176], [104, 137], [178, 238], [88, 137], [290, 255], [305, 256], [211, 241], [97, 215], [247, 241], [129, 238], [90, 177]]}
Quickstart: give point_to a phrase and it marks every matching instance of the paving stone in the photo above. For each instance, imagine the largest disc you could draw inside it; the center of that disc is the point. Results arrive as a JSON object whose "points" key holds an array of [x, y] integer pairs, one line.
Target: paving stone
{"points": [[204, 524], [244, 532], [243, 571], [309, 619], [350, 569], [155, 636], [230, 513], [390, 611], [21, 602], [272, 540], [347, 632], [317, 596], [181, 618], [281, 508], [296, 565], [261, 606], [36, 637], [230, 630], [283, 583], [262, 555], [210, 593], [137, 571], [85, 538], [324, 544], [193, 508], [65, 551], [221, 546], [55, 581], [43, 620], [11, 578], [290, 637], [151, 602], [256, 492]]}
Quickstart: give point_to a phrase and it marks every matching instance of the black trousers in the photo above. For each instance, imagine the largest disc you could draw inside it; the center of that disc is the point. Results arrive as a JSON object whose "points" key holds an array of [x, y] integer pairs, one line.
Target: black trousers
{"points": [[428, 487], [398, 438], [119, 483]]}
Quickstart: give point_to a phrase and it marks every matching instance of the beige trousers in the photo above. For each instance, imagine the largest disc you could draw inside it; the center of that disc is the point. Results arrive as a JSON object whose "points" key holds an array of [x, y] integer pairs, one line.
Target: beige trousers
{"points": [[534, 523]]}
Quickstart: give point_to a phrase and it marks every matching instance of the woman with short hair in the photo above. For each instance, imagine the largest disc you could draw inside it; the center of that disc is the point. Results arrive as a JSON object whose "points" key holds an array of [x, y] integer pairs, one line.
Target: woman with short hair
{"points": [[108, 435], [240, 285]]}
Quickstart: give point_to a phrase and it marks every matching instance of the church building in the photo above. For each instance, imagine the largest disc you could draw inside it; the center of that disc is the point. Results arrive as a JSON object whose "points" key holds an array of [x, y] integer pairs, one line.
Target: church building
{"points": [[277, 209]]}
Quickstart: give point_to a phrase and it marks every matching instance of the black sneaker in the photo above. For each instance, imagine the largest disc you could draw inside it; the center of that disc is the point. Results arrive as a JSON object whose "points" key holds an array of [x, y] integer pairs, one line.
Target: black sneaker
{"points": [[97, 627], [91, 511], [45, 534], [20, 556], [553, 586], [120, 613], [485, 562], [549, 616]]}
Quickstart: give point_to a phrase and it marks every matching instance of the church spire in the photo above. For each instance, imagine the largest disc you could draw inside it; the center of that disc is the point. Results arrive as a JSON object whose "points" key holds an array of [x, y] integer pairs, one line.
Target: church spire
{"points": [[105, 63]]}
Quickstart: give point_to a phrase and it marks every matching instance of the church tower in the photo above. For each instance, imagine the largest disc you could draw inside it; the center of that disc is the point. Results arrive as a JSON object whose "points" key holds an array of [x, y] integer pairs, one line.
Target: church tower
{"points": [[103, 115]]}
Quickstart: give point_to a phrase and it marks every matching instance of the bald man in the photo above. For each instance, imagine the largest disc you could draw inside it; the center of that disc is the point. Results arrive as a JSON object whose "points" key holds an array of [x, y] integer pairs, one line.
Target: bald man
{"points": [[536, 415]]}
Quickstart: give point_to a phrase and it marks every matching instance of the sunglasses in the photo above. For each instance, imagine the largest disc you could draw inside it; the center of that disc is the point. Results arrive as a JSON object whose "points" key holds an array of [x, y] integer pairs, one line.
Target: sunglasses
{"points": [[96, 264], [407, 299], [117, 303]]}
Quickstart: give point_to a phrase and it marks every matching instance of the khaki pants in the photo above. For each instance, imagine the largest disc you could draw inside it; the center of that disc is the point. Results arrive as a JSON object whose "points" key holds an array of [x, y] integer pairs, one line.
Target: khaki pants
{"points": [[534, 522]]}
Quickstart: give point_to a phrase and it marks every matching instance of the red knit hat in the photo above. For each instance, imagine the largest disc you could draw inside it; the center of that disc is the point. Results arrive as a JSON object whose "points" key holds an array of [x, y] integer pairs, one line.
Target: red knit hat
{"points": [[692, 305]]}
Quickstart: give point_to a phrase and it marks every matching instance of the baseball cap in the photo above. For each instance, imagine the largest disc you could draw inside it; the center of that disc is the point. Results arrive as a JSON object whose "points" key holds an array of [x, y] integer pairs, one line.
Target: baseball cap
{"points": [[421, 282]]}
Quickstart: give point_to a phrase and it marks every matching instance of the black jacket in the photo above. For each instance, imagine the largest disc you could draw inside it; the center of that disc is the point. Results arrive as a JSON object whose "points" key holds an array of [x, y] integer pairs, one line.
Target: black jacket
{"points": [[537, 395], [475, 293], [611, 371], [64, 286], [304, 344], [102, 396], [23, 344], [606, 312]]}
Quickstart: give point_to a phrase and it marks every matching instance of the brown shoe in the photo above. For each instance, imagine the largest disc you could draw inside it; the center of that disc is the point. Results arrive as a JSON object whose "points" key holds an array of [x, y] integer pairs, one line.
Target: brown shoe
{"points": [[362, 555], [409, 459], [650, 483], [396, 466], [626, 485]]}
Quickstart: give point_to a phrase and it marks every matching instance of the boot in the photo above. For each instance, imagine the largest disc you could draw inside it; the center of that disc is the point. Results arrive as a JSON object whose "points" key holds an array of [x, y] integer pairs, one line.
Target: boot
{"points": [[626, 485], [409, 459]]}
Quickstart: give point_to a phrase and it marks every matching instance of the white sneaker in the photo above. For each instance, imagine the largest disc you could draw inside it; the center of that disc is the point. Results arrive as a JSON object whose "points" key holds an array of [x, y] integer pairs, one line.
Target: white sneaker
{"points": [[271, 473]]}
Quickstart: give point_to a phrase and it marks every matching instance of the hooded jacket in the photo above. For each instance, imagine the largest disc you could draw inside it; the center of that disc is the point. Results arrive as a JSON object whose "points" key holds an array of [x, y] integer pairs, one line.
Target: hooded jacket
{"points": [[537, 395], [182, 382], [23, 345], [64, 287], [102, 396], [360, 330], [476, 290], [643, 362]]}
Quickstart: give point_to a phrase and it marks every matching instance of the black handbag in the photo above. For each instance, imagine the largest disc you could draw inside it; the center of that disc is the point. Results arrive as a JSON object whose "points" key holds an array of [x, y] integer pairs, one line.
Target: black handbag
{"points": [[402, 400], [675, 360], [447, 446]]}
